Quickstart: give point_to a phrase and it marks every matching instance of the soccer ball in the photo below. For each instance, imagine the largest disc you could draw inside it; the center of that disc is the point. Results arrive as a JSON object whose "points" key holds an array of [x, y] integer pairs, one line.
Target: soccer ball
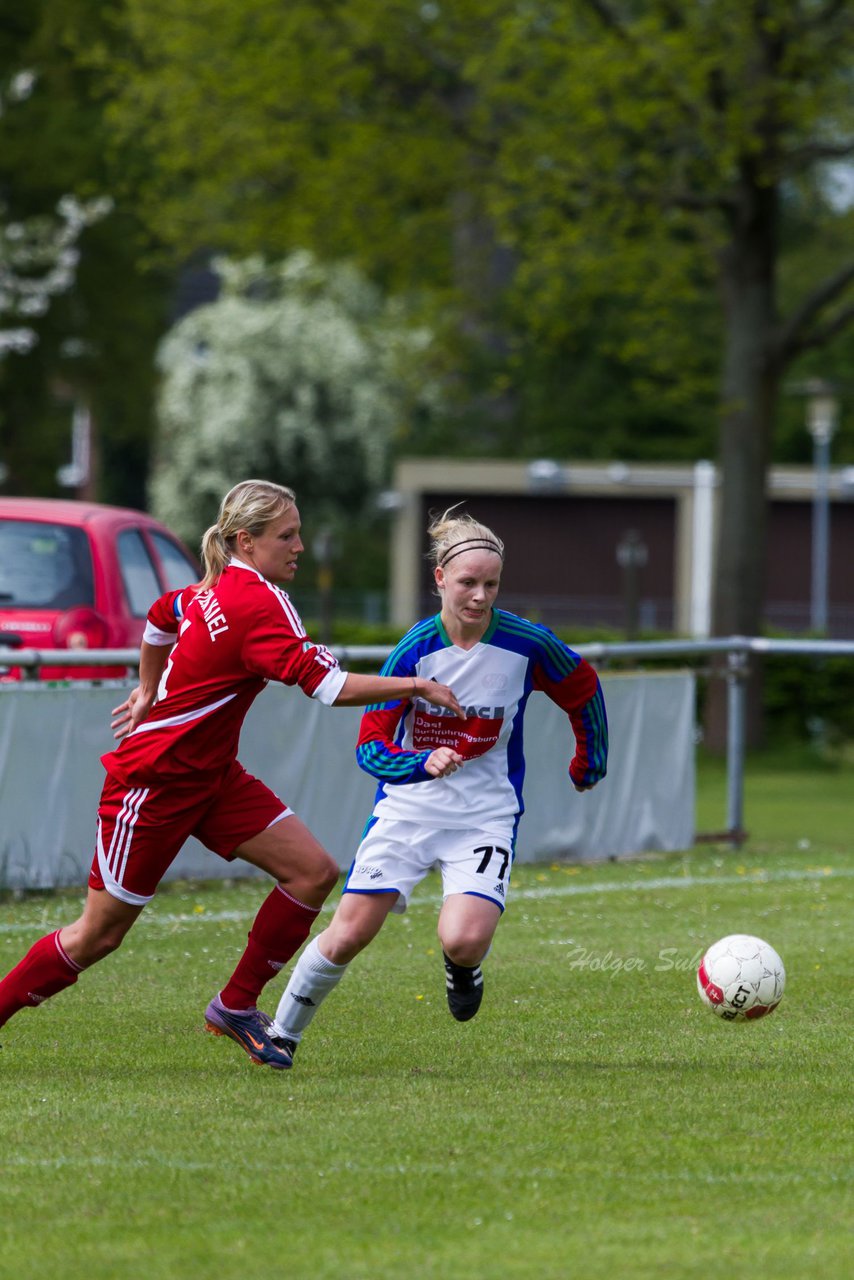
{"points": [[741, 977]]}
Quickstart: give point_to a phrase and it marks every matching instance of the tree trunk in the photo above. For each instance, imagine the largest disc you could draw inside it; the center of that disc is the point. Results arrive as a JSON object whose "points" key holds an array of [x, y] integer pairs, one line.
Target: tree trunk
{"points": [[749, 389]]}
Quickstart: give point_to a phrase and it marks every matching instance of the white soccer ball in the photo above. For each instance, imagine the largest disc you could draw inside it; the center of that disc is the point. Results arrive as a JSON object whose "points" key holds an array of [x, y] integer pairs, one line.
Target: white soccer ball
{"points": [[741, 977]]}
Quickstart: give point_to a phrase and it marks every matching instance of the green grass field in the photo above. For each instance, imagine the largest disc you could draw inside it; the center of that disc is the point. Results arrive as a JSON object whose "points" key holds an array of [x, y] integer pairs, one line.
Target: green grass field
{"points": [[593, 1121]]}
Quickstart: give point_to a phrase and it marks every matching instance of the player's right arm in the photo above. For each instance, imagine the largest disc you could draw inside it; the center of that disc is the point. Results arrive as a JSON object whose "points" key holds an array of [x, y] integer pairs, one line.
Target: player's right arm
{"points": [[378, 753], [161, 632]]}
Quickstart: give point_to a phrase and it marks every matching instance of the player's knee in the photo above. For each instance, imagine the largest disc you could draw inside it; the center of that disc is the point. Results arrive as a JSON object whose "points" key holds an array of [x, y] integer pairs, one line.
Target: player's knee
{"points": [[466, 947], [313, 882], [95, 946], [327, 874], [467, 955], [343, 940], [109, 945], [346, 945]]}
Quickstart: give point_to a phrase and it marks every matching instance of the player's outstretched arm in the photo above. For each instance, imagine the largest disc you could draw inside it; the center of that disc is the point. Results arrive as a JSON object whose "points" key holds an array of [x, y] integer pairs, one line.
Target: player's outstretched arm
{"points": [[361, 691]]}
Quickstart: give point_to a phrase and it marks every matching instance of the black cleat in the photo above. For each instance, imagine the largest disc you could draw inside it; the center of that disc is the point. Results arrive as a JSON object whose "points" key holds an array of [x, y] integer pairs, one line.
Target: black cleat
{"points": [[465, 989], [285, 1042]]}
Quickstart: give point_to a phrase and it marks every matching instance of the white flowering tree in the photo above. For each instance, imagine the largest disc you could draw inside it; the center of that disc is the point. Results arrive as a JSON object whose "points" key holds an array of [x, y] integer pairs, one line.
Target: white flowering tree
{"points": [[38, 255], [301, 373], [38, 260]]}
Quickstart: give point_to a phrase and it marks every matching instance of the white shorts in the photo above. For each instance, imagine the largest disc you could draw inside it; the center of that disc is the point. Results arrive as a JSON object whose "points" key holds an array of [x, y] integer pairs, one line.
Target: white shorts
{"points": [[395, 856]]}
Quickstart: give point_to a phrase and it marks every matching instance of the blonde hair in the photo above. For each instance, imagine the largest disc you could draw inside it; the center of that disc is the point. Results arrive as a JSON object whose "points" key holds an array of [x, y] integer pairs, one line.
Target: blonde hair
{"points": [[250, 505], [451, 535]]}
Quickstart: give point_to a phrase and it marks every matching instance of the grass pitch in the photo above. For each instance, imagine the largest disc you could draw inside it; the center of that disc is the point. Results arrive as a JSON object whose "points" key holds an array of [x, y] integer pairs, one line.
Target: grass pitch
{"points": [[594, 1120]]}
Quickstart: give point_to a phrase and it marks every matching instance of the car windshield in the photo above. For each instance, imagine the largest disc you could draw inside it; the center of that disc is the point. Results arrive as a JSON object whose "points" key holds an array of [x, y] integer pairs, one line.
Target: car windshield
{"points": [[44, 566]]}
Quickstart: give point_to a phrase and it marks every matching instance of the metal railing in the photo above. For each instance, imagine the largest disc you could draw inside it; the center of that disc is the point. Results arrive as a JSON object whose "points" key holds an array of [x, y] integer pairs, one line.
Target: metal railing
{"points": [[736, 649]]}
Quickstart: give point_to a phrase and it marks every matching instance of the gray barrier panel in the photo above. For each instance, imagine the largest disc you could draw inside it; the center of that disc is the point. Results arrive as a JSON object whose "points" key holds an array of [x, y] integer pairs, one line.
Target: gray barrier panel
{"points": [[52, 737]]}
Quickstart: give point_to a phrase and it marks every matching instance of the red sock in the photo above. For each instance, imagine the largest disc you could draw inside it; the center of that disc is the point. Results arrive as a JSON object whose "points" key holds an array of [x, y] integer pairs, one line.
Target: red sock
{"points": [[44, 970], [281, 927]]}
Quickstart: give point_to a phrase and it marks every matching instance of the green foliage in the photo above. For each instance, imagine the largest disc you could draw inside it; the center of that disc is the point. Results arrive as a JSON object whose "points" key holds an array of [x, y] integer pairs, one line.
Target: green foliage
{"points": [[96, 341], [559, 182], [329, 126], [810, 700], [404, 137], [566, 179]]}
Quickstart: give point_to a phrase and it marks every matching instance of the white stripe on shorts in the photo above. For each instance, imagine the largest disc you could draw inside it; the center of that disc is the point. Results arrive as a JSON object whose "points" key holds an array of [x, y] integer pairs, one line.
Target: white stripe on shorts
{"points": [[117, 858], [113, 864]]}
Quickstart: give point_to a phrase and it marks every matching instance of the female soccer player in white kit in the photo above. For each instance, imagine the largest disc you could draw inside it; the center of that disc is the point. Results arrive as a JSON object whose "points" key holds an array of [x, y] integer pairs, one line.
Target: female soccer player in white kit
{"points": [[450, 790]]}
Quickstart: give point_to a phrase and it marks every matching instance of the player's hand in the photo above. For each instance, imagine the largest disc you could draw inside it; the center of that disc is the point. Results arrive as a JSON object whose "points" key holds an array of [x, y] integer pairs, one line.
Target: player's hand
{"points": [[588, 787], [130, 713], [440, 696], [442, 762]]}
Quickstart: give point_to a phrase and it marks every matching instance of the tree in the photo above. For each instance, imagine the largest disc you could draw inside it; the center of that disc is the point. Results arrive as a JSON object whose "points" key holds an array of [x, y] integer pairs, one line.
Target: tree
{"points": [[711, 127], [654, 155], [93, 345], [353, 129], [714, 120], [300, 372], [39, 253]]}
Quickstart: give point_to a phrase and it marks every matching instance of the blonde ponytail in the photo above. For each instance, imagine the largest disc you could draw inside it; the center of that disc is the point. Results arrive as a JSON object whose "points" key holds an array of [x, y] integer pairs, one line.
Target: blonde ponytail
{"points": [[215, 555]]}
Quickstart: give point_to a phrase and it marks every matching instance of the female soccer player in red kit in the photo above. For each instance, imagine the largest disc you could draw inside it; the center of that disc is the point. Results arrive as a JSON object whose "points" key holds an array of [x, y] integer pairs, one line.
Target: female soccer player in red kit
{"points": [[207, 652]]}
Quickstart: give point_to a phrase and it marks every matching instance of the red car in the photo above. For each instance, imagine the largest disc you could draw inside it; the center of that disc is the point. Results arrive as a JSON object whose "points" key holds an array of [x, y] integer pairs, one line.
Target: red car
{"points": [[77, 575]]}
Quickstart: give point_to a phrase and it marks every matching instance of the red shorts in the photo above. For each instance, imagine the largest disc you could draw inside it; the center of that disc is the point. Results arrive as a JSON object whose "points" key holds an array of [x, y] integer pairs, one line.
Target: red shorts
{"points": [[141, 829]]}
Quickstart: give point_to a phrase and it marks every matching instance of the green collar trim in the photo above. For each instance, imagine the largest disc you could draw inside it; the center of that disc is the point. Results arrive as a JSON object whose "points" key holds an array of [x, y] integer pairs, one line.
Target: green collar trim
{"points": [[484, 639]]}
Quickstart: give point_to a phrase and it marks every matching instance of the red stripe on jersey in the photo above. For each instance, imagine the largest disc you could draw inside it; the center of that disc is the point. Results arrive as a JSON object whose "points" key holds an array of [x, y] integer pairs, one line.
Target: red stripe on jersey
{"points": [[380, 725]]}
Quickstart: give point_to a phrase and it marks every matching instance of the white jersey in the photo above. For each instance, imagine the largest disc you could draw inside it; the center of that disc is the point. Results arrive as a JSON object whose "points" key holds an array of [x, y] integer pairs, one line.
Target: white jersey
{"points": [[492, 681]]}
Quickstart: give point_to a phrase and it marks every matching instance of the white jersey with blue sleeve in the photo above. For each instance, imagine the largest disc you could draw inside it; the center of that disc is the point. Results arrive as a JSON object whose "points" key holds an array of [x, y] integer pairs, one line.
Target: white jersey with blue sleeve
{"points": [[492, 681]]}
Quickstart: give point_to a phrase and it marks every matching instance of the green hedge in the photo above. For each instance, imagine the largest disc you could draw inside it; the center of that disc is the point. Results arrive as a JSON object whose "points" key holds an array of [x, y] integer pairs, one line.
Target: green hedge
{"points": [[810, 699]]}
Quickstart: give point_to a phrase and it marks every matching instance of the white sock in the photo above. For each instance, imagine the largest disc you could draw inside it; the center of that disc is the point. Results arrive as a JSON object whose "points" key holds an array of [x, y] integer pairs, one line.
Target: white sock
{"points": [[310, 983]]}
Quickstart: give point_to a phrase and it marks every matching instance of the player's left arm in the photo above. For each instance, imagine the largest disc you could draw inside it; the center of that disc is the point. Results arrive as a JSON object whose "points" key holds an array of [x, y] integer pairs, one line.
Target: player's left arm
{"points": [[571, 683]]}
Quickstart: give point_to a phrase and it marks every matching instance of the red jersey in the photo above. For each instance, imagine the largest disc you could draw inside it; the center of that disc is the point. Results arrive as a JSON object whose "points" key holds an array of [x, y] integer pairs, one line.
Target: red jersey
{"points": [[229, 640]]}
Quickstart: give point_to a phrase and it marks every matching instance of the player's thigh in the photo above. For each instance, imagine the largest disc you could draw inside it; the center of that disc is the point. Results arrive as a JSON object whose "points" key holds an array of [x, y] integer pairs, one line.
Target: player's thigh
{"points": [[140, 831], [393, 857], [289, 852], [238, 809], [477, 863], [247, 820]]}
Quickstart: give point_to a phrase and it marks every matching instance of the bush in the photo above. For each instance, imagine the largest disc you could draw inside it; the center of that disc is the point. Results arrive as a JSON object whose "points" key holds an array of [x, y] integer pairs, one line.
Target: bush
{"points": [[810, 699]]}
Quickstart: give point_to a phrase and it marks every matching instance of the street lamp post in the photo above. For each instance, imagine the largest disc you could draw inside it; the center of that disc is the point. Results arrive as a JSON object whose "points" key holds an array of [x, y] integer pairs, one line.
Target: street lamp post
{"points": [[822, 408], [631, 557], [325, 551]]}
